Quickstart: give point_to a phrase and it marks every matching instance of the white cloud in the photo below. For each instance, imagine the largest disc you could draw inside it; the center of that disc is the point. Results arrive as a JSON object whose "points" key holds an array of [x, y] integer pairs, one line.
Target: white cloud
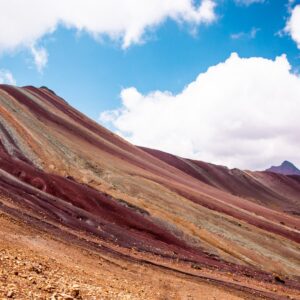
{"points": [[23, 23], [237, 36], [243, 113], [293, 25], [6, 77], [248, 2], [245, 35], [40, 57]]}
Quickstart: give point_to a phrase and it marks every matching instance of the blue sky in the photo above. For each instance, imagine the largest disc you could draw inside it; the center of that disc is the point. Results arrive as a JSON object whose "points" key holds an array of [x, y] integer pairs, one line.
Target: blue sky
{"points": [[90, 73]]}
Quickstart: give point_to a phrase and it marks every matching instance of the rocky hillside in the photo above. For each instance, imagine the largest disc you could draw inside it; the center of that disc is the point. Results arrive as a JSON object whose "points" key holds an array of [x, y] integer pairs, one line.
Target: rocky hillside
{"points": [[85, 214]]}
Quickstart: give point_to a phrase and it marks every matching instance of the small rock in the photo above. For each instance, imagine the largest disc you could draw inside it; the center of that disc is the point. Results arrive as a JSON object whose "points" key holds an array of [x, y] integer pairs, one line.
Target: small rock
{"points": [[196, 266], [75, 291], [67, 297], [10, 294], [32, 280], [53, 296], [36, 268], [279, 279], [49, 288]]}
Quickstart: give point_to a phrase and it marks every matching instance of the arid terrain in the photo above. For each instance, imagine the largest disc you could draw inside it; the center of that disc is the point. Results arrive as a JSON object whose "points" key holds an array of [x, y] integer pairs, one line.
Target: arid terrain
{"points": [[86, 215]]}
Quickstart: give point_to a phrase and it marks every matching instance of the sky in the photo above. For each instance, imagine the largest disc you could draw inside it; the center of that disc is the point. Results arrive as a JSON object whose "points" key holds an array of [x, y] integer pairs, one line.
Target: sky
{"points": [[213, 80]]}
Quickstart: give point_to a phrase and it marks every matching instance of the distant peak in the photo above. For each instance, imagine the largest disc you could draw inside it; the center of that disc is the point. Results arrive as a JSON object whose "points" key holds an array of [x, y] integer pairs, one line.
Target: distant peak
{"points": [[286, 168], [286, 162]]}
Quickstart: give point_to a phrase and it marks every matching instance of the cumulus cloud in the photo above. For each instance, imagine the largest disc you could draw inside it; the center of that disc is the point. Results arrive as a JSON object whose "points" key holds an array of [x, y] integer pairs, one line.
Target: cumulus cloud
{"points": [[25, 22], [243, 113], [6, 77], [293, 25]]}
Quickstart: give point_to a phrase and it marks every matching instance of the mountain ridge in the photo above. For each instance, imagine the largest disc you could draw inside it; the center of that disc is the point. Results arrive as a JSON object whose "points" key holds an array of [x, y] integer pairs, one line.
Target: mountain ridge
{"points": [[286, 168], [64, 174]]}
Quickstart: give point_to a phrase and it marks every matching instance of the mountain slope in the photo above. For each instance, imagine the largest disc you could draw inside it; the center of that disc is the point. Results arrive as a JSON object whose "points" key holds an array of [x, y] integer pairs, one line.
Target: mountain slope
{"points": [[65, 175], [269, 190]]}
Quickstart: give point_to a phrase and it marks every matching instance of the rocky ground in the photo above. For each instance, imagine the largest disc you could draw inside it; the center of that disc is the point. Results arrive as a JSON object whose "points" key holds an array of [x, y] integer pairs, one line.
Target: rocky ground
{"points": [[34, 265], [37, 265]]}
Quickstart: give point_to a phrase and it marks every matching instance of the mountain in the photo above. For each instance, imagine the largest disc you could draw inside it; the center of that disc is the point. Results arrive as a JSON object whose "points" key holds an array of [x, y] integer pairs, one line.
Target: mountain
{"points": [[84, 213], [286, 168]]}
